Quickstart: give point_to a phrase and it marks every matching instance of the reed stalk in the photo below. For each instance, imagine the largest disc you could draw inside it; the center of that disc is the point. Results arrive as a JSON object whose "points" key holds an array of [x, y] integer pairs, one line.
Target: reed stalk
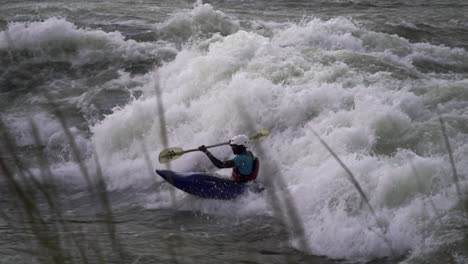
{"points": [[163, 135], [96, 188], [359, 189], [279, 197], [456, 178]]}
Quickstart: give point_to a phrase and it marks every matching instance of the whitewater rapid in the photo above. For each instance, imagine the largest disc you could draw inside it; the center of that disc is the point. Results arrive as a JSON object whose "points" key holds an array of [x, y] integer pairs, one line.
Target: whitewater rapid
{"points": [[373, 97], [359, 89]]}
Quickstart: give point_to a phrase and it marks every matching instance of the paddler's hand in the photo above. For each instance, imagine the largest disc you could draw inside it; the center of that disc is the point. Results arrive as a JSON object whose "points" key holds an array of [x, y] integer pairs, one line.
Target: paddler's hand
{"points": [[203, 148]]}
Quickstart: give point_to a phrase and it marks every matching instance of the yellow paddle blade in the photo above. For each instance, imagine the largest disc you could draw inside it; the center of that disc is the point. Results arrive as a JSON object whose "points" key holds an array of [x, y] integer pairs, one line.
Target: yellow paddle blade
{"points": [[260, 135], [170, 154]]}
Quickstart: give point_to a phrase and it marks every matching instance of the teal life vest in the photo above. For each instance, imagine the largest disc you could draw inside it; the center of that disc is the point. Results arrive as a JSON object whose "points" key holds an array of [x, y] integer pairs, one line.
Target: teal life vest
{"points": [[246, 169]]}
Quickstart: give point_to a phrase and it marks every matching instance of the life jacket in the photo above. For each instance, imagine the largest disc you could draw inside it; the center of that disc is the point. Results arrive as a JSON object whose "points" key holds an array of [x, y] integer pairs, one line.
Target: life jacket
{"points": [[240, 178]]}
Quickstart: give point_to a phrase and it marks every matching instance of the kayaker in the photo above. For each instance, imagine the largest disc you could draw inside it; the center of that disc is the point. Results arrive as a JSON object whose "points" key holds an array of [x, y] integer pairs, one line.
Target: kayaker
{"points": [[245, 165]]}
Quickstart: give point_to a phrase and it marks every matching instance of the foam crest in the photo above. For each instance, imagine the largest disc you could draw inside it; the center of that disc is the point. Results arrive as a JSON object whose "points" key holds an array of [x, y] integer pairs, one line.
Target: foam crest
{"points": [[59, 39], [341, 34], [334, 34], [202, 20]]}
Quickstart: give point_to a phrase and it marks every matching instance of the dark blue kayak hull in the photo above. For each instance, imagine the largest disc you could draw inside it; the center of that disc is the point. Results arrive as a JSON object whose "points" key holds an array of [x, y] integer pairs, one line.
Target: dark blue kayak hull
{"points": [[202, 185]]}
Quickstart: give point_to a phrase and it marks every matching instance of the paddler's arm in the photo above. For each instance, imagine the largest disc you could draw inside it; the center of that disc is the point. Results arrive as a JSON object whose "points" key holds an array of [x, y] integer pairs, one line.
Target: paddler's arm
{"points": [[215, 161]]}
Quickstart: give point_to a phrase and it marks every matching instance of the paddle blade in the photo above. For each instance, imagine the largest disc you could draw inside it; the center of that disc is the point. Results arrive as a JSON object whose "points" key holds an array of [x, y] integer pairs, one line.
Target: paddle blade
{"points": [[259, 135], [170, 154]]}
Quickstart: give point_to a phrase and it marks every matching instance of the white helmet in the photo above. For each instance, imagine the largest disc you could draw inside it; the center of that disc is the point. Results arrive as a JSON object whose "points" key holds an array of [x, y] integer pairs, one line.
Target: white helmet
{"points": [[239, 140]]}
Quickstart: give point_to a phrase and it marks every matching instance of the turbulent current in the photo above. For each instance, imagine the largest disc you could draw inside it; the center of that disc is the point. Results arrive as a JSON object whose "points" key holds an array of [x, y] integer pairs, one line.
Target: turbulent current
{"points": [[378, 89]]}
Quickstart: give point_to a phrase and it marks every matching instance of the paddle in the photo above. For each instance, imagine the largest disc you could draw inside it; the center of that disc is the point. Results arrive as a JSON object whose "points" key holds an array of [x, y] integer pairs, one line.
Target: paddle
{"points": [[171, 154]]}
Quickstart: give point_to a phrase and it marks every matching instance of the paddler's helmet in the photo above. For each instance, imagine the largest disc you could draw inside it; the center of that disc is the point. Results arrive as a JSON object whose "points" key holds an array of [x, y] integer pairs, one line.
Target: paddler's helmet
{"points": [[239, 144], [239, 140]]}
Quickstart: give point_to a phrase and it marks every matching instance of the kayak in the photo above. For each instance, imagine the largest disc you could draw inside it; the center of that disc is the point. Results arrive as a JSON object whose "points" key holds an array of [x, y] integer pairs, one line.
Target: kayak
{"points": [[203, 185]]}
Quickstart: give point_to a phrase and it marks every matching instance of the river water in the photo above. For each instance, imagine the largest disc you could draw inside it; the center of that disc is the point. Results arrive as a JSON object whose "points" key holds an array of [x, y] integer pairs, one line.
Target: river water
{"points": [[128, 79]]}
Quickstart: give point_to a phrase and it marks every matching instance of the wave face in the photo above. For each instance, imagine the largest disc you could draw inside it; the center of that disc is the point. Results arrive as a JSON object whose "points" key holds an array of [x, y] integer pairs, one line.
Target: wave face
{"points": [[370, 92]]}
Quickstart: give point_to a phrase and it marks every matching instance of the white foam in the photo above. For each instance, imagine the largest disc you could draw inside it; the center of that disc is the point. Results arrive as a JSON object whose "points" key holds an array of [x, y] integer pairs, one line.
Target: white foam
{"points": [[59, 39], [293, 83], [203, 19]]}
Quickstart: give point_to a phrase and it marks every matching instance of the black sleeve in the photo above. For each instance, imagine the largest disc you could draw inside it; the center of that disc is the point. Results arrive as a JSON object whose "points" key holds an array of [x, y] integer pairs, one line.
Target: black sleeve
{"points": [[218, 163]]}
